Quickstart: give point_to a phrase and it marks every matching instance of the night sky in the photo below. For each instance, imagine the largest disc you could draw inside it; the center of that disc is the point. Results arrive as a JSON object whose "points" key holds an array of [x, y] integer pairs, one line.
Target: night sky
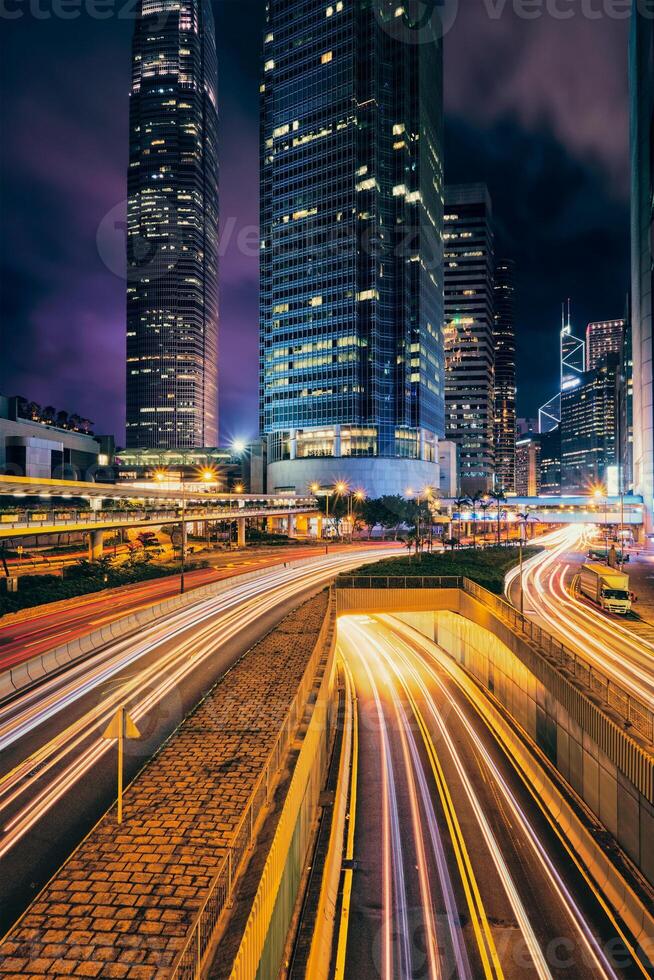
{"points": [[536, 108]]}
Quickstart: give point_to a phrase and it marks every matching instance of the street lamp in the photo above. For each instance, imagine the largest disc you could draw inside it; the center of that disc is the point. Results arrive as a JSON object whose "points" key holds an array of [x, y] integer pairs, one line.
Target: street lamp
{"points": [[341, 489], [160, 476], [523, 518], [600, 493]]}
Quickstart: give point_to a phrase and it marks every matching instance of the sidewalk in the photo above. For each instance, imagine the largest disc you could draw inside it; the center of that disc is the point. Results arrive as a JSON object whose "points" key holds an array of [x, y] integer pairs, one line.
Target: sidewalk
{"points": [[124, 902]]}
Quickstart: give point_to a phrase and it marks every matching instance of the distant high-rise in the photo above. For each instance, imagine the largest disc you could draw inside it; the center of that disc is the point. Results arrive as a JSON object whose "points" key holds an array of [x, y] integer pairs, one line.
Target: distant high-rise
{"points": [[642, 252], [590, 428], [603, 337], [351, 304], [572, 366], [469, 324], [505, 374], [172, 228], [527, 466]]}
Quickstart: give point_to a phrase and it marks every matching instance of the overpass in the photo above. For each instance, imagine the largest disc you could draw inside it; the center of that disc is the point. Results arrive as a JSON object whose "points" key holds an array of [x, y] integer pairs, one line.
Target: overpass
{"points": [[627, 510], [30, 506]]}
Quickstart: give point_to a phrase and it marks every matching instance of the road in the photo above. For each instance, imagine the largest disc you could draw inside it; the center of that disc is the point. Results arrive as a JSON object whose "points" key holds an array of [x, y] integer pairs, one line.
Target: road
{"points": [[607, 641], [23, 638], [457, 872], [57, 774]]}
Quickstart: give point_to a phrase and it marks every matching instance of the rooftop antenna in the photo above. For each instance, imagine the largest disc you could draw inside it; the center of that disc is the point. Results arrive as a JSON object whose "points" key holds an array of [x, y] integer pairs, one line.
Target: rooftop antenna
{"points": [[569, 311]]}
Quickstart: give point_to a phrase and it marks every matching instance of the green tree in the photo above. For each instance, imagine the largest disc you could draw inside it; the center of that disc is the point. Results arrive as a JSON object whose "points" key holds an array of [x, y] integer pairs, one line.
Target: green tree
{"points": [[498, 496]]}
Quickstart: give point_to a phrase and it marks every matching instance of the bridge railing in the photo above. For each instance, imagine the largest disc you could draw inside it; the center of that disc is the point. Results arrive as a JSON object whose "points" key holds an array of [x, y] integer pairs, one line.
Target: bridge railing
{"points": [[212, 511], [637, 714]]}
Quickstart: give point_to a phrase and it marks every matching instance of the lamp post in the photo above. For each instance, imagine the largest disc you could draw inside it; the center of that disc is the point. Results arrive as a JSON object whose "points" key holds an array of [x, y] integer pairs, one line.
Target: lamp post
{"points": [[160, 476], [341, 489], [600, 494], [523, 528]]}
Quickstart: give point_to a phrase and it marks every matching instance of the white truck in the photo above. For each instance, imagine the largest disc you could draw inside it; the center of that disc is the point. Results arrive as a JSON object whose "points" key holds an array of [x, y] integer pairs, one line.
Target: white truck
{"points": [[607, 587]]}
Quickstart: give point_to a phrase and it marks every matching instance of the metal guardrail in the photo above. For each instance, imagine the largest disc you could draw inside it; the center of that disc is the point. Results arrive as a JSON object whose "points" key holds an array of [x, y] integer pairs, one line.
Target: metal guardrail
{"points": [[637, 714], [189, 961]]}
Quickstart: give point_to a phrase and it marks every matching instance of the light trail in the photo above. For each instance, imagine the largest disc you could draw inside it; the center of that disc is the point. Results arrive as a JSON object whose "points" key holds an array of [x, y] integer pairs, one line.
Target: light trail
{"points": [[615, 650], [413, 669], [196, 633], [431, 653]]}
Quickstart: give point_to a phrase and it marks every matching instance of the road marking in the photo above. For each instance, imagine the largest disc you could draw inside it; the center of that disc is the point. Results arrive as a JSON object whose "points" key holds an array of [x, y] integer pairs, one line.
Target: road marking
{"points": [[485, 941], [339, 971]]}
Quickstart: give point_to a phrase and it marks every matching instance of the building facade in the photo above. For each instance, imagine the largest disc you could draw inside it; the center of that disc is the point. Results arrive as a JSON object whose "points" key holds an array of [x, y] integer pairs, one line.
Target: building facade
{"points": [[550, 462], [351, 382], [603, 337], [172, 228], [589, 429], [527, 466], [642, 253], [47, 445], [505, 374], [469, 326]]}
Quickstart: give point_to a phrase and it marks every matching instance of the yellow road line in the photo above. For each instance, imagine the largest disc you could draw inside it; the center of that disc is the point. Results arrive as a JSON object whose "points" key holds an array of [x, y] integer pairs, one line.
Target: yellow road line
{"points": [[341, 949], [505, 746], [485, 941]]}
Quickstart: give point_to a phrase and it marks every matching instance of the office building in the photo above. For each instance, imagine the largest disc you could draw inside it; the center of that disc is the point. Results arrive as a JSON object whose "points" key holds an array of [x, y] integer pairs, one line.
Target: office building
{"points": [[642, 253], [589, 428], [220, 469], [469, 326], [527, 466], [351, 313], [448, 463], [505, 374], [43, 443], [572, 366], [603, 337], [550, 463], [172, 229]]}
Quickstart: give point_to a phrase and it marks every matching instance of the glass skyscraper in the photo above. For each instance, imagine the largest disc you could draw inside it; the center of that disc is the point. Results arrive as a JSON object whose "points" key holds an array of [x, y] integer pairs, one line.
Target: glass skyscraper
{"points": [[505, 371], [172, 228], [352, 383], [642, 253]]}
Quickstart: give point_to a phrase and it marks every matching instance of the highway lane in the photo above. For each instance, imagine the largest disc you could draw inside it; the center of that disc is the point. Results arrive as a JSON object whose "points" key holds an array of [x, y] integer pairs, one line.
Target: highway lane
{"points": [[23, 638], [57, 774], [457, 872], [599, 638]]}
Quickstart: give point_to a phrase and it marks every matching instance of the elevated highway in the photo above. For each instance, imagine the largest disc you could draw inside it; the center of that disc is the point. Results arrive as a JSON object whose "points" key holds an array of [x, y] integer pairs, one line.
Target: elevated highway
{"points": [[30, 506]]}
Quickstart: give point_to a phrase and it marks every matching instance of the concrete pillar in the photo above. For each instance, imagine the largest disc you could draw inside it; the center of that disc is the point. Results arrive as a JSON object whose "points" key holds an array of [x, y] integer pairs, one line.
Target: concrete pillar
{"points": [[241, 532], [319, 520], [95, 545], [290, 524]]}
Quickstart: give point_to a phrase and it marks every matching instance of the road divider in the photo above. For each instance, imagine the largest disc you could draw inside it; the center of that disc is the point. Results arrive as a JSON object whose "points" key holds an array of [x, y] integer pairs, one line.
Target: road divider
{"points": [[17, 679]]}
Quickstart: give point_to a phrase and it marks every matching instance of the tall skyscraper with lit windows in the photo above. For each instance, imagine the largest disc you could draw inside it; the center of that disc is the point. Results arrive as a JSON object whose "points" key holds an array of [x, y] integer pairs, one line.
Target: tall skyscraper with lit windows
{"points": [[351, 383], [469, 327], [172, 228], [642, 253], [505, 375]]}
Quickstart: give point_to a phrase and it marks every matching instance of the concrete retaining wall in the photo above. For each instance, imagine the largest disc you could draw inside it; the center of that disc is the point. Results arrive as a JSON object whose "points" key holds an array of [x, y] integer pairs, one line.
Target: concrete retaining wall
{"points": [[616, 785]]}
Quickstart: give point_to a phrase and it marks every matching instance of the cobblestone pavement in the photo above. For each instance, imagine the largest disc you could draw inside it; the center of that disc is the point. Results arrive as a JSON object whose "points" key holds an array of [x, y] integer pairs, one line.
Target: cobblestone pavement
{"points": [[123, 903]]}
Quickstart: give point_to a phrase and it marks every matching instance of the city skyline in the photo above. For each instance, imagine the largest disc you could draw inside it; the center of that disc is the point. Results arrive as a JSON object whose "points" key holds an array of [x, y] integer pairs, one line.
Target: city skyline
{"points": [[92, 327]]}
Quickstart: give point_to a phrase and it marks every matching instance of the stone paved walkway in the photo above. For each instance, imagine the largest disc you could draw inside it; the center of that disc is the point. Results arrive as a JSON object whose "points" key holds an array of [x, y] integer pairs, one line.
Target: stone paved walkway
{"points": [[123, 903]]}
